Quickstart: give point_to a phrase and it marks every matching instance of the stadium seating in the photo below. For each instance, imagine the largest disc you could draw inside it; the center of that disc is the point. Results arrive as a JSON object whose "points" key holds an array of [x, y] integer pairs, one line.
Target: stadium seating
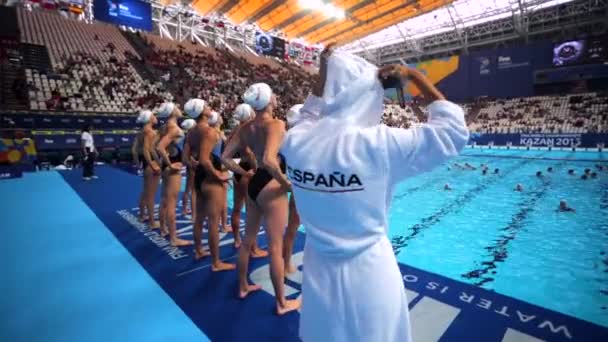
{"points": [[578, 113], [91, 70]]}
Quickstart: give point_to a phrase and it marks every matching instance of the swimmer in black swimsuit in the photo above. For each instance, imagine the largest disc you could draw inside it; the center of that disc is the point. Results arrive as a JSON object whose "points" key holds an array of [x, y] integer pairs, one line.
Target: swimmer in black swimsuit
{"points": [[170, 150], [150, 164], [209, 179], [267, 193], [218, 156], [293, 222], [187, 125], [137, 152], [243, 113]]}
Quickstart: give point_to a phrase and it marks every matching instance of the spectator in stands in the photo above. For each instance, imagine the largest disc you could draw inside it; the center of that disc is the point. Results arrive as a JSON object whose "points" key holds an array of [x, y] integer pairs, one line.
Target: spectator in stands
{"points": [[89, 153]]}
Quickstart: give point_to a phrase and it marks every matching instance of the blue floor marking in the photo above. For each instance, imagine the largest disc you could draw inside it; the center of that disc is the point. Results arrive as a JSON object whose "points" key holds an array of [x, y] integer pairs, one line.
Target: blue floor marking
{"points": [[66, 278], [442, 309]]}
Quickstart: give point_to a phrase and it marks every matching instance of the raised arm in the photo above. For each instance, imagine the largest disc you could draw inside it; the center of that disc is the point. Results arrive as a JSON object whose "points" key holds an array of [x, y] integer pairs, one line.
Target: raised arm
{"points": [[234, 145], [421, 148], [274, 138]]}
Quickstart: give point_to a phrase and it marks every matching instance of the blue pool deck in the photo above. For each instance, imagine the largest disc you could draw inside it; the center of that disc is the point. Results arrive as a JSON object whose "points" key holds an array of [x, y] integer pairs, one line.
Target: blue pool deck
{"points": [[78, 266]]}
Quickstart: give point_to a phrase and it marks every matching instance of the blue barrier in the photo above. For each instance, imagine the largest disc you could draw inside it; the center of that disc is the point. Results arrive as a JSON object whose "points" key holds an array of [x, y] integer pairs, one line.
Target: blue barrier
{"points": [[541, 139], [10, 171], [35, 120], [71, 140]]}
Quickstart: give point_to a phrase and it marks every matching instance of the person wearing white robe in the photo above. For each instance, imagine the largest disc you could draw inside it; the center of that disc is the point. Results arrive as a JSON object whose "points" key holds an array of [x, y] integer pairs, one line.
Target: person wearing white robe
{"points": [[343, 165]]}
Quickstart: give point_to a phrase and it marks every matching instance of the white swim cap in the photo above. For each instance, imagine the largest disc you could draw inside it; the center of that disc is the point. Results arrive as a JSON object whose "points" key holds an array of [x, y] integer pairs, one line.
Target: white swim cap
{"points": [[258, 96], [188, 124], [144, 117], [293, 115], [214, 118], [194, 107], [243, 112], [165, 109]]}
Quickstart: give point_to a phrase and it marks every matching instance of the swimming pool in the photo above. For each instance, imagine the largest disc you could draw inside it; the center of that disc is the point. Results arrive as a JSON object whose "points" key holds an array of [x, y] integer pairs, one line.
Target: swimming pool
{"points": [[515, 243]]}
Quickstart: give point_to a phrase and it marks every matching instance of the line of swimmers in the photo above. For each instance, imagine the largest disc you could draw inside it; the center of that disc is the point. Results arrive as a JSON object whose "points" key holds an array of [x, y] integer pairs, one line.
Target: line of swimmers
{"points": [[259, 182]]}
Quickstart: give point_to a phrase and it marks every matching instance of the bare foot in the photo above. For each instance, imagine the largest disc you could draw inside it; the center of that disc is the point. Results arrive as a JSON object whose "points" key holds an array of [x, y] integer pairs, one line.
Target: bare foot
{"points": [[181, 243], [164, 232], [289, 269], [257, 252], [155, 225], [222, 266], [237, 244], [249, 289], [201, 253], [226, 229], [290, 305]]}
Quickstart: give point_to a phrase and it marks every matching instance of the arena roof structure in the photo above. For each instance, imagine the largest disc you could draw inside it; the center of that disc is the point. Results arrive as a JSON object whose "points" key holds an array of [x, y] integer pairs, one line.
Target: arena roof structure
{"points": [[452, 17], [317, 21], [382, 31]]}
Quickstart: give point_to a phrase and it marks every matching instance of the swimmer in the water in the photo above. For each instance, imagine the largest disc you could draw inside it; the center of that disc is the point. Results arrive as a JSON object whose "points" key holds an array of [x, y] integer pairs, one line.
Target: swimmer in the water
{"points": [[484, 172], [593, 175], [496, 171], [469, 166], [150, 164], [187, 205], [267, 192], [447, 187], [563, 207], [571, 171], [170, 150], [519, 187], [137, 153], [549, 169], [209, 181], [459, 166], [587, 171], [584, 177], [539, 174]]}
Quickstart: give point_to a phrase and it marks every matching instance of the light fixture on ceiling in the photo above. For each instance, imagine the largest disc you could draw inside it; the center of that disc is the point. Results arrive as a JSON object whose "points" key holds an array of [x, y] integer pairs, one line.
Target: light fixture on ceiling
{"points": [[326, 8]]}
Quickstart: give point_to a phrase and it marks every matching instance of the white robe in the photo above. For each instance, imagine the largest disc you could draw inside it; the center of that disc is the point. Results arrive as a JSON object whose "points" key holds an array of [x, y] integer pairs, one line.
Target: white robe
{"points": [[342, 177]]}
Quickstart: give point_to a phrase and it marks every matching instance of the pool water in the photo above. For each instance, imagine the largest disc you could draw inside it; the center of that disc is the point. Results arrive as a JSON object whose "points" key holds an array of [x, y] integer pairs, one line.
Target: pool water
{"points": [[484, 233]]}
